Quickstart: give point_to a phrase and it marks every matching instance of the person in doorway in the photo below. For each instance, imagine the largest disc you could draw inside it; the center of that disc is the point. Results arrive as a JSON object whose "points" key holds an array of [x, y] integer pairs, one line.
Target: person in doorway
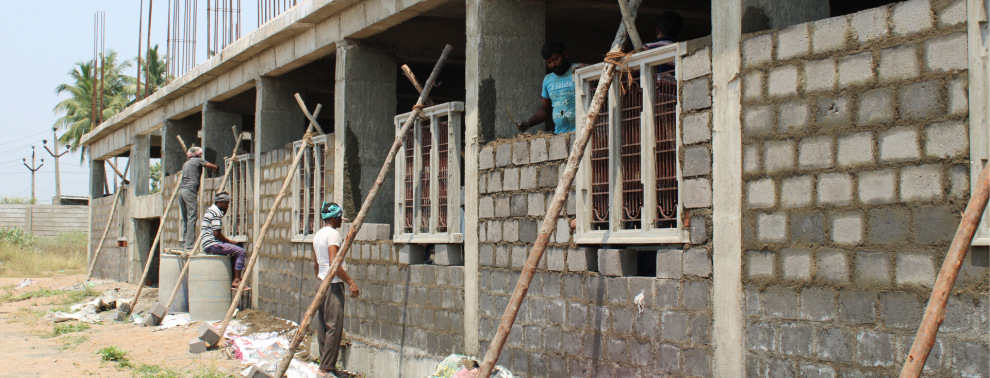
{"points": [[669, 26], [330, 316], [558, 91], [189, 193], [215, 243]]}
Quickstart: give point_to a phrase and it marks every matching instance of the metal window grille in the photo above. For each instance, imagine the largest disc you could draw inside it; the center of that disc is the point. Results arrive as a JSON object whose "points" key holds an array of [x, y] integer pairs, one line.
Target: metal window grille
{"points": [[426, 147], [443, 174], [630, 152], [599, 167], [665, 148], [407, 203], [311, 185], [240, 193]]}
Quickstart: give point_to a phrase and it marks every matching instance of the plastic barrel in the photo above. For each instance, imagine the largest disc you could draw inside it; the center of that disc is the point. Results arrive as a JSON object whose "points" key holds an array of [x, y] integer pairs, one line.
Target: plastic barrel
{"points": [[209, 287], [168, 274]]}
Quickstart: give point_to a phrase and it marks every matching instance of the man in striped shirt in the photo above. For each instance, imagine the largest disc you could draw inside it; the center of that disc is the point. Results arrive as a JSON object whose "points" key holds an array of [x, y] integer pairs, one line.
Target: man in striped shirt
{"points": [[214, 242]]}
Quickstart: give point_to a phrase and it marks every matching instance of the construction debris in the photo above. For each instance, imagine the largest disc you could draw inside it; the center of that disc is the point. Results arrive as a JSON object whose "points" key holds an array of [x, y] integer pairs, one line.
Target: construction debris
{"points": [[458, 366]]}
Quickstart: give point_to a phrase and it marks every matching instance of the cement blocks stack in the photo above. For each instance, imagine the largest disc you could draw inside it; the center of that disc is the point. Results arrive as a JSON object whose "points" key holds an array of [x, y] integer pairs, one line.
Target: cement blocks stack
{"points": [[208, 337], [848, 210], [155, 315]]}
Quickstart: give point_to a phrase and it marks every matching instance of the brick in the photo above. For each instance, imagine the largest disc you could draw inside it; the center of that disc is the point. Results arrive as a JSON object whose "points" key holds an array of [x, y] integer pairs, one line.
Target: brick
{"points": [[808, 227], [935, 224], [670, 263], [486, 207], [915, 269], [792, 117], [876, 106], [794, 339], [697, 193], [920, 100], [921, 183], [519, 255], [528, 229], [899, 63], [759, 336], [830, 34], [696, 127], [697, 294], [796, 191], [783, 81], [495, 231], [947, 139], [674, 326], [697, 263], [911, 17], [856, 70], [873, 268], [970, 359], [548, 176], [833, 112], [502, 208], [753, 85], [517, 205], [778, 155], [535, 204], [696, 362], [760, 263], [960, 182], [953, 14], [857, 307], [510, 231], [876, 187], [538, 151], [617, 262], [699, 230], [520, 152], [510, 179], [963, 313], [528, 177], [412, 254], [494, 181], [502, 257], [818, 304], [758, 120], [792, 42], [835, 189], [696, 65], [815, 152], [835, 344], [503, 155], [761, 194], [772, 227], [751, 159], [197, 346], [781, 302], [875, 349], [796, 263], [486, 254], [697, 161], [696, 94], [448, 255], [870, 24], [847, 228], [820, 75], [558, 147], [899, 144], [958, 97], [486, 158], [757, 50], [556, 258]]}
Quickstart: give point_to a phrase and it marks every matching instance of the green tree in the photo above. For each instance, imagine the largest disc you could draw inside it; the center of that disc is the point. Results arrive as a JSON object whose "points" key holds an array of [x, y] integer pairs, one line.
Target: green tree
{"points": [[156, 70], [156, 177], [77, 113]]}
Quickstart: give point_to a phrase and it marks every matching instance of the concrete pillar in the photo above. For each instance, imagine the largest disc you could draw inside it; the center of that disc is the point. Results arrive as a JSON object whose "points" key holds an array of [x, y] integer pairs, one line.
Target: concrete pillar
{"points": [[173, 156], [218, 139], [97, 178], [278, 119], [496, 30], [759, 15], [364, 109], [140, 161]]}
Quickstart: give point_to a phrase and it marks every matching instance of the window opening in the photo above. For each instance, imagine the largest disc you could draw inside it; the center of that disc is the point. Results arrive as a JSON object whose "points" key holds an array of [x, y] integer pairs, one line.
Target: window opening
{"points": [[442, 175], [410, 148], [426, 145], [665, 148], [599, 166], [311, 184], [630, 152]]}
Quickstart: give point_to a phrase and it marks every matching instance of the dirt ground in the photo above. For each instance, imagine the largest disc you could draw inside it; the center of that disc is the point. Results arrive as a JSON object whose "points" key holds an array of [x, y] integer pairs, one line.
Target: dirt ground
{"points": [[25, 338]]}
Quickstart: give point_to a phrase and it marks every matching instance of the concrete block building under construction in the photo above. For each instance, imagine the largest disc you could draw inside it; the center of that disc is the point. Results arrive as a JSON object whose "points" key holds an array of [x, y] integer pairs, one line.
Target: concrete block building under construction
{"points": [[781, 200]]}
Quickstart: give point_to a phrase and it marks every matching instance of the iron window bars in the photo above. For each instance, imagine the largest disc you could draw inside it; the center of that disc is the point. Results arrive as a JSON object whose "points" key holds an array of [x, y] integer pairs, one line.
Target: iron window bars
{"points": [[312, 184]]}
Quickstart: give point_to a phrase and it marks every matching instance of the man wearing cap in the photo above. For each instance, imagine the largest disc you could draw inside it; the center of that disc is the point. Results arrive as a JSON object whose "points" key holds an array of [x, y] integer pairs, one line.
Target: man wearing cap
{"points": [[330, 317], [188, 193], [214, 242]]}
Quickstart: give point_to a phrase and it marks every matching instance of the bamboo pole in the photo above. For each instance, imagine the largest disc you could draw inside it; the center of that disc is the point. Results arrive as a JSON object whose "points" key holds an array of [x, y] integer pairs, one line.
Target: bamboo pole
{"points": [[935, 312], [122, 178], [312, 119], [99, 247], [556, 205], [629, 20], [246, 276], [297, 338], [412, 77], [161, 226]]}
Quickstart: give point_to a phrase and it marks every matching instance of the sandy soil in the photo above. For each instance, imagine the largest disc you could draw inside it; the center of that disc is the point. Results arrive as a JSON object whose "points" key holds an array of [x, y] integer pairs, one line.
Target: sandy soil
{"points": [[24, 338]]}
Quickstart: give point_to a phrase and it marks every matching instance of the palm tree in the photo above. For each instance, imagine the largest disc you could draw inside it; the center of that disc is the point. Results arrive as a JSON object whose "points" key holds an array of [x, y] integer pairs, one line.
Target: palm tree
{"points": [[156, 70], [77, 118]]}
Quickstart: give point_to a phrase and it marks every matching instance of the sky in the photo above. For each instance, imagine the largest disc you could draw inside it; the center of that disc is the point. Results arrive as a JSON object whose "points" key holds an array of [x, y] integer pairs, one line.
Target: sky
{"points": [[45, 51]]}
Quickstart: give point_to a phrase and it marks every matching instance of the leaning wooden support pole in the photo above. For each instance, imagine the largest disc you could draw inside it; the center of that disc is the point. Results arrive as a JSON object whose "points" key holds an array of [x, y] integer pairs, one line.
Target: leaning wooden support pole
{"points": [[256, 251], [154, 244], [412, 78], [629, 20], [935, 312], [106, 230], [321, 293], [556, 205]]}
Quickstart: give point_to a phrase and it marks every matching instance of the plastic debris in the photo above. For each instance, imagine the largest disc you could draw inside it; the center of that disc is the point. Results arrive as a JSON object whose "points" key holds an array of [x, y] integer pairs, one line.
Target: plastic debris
{"points": [[460, 366], [25, 283], [174, 320]]}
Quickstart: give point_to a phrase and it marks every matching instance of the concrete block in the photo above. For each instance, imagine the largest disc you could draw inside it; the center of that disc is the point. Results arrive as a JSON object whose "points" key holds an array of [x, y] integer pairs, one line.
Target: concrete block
{"points": [[946, 53], [855, 149], [778, 155], [674, 326], [856, 70], [696, 94], [502, 258], [899, 144], [582, 259], [759, 336], [796, 191], [486, 158], [751, 159], [796, 263], [158, 310], [256, 372], [756, 51], [150, 320], [697, 263], [753, 86], [808, 227], [559, 147], [535, 204], [758, 120], [529, 177], [935, 224], [969, 358], [699, 230], [556, 258], [953, 14], [617, 262], [696, 127], [847, 228], [697, 193], [761, 194], [670, 263], [876, 106], [783, 81], [208, 334], [819, 75], [834, 344], [412, 254], [815, 152], [563, 232], [494, 181], [857, 307], [831, 265], [834, 112], [899, 63], [947, 139], [795, 337], [486, 207], [697, 294], [921, 100], [871, 24], [792, 117], [772, 227], [510, 179], [538, 152], [517, 205], [197, 346], [760, 263], [520, 152], [697, 161], [782, 302], [835, 189], [519, 255], [915, 269], [448, 255], [958, 97], [503, 155], [921, 183], [873, 268], [888, 226], [548, 176], [792, 42], [510, 230], [960, 182], [912, 16], [818, 371], [696, 65], [486, 255], [830, 34], [876, 187], [901, 310], [502, 208]]}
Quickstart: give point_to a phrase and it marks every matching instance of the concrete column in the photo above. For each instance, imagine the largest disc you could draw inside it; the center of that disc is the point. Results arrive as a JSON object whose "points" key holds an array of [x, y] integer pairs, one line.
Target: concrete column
{"points": [[218, 139], [278, 119], [97, 178], [759, 15], [140, 161], [364, 109], [496, 30], [173, 156], [727, 291]]}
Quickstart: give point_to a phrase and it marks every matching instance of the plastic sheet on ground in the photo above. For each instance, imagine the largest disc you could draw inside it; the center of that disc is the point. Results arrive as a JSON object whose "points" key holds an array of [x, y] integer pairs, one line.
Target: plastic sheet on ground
{"points": [[459, 366], [174, 320], [25, 283], [84, 312], [265, 350]]}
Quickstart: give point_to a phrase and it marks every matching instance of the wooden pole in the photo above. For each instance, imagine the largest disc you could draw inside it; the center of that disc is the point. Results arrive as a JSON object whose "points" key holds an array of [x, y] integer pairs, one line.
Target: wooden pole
{"points": [[321, 293], [935, 312], [121, 175], [412, 77], [106, 230], [556, 205], [161, 226], [312, 119], [245, 277], [629, 20]]}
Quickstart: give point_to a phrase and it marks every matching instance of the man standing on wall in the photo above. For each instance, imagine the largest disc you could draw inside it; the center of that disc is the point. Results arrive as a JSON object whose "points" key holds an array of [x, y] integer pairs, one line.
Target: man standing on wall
{"points": [[214, 242], [330, 316], [558, 91], [188, 193]]}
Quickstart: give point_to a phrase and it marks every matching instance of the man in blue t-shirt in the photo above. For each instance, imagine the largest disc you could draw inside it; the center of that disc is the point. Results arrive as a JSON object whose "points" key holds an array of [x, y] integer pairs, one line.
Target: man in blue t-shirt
{"points": [[558, 91]]}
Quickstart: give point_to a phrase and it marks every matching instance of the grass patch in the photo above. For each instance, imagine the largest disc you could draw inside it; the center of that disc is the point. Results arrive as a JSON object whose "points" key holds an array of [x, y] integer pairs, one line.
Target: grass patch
{"points": [[27, 315], [154, 371], [212, 372], [70, 342], [114, 354], [26, 255], [67, 296], [63, 328]]}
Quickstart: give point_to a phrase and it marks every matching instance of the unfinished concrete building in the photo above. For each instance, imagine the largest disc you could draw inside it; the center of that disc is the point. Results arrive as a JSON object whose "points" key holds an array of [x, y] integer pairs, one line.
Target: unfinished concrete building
{"points": [[779, 202]]}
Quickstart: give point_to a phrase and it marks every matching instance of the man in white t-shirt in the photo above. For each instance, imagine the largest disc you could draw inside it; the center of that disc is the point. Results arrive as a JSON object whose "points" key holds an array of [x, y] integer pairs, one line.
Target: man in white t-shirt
{"points": [[330, 317]]}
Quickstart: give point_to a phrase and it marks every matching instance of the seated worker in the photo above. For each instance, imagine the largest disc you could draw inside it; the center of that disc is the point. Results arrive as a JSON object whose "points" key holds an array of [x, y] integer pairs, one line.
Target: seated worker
{"points": [[214, 242], [669, 26], [558, 91]]}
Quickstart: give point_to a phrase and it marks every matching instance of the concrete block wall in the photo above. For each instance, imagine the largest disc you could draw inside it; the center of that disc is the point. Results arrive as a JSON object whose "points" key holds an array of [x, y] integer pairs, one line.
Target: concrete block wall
{"points": [[171, 234], [112, 263], [856, 154]]}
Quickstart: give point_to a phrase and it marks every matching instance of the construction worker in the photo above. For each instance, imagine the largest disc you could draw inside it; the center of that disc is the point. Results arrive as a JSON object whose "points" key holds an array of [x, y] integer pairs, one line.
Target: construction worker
{"points": [[214, 242], [669, 26], [330, 316], [558, 91], [189, 192]]}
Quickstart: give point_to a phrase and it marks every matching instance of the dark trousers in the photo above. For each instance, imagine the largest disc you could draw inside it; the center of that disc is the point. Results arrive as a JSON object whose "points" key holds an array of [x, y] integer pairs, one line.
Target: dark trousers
{"points": [[330, 326], [188, 209]]}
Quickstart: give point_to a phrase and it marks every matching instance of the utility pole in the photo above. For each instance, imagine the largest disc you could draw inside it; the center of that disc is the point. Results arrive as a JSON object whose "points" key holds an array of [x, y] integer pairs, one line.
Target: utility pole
{"points": [[33, 170], [56, 155]]}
